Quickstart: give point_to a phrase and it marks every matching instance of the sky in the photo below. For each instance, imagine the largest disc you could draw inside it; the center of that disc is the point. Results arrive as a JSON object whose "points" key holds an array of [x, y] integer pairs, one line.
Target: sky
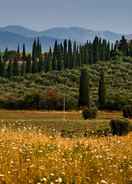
{"points": [[113, 15]]}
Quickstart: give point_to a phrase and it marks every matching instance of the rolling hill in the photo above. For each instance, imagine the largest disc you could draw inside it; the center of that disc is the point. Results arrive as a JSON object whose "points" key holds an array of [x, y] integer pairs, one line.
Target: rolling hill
{"points": [[19, 30], [80, 34], [11, 41], [11, 36]]}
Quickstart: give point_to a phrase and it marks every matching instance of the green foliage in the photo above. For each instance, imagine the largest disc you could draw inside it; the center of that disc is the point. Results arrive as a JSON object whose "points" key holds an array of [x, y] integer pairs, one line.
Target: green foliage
{"points": [[127, 111], [118, 82], [102, 91], [119, 126], [84, 90], [89, 113], [123, 46]]}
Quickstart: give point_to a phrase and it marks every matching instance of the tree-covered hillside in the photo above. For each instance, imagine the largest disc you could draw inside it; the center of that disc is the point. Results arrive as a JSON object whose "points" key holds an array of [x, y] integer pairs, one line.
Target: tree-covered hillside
{"points": [[43, 80], [47, 90]]}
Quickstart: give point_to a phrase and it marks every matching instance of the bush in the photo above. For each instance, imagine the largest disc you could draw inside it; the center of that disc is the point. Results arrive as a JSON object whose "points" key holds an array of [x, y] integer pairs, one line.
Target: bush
{"points": [[127, 111], [89, 113], [119, 126], [115, 103]]}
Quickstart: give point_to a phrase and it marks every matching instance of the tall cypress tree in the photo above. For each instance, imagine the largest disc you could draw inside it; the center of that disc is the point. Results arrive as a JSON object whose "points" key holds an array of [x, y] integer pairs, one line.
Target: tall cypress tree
{"points": [[74, 55], [35, 53], [38, 48], [34, 48], [40, 64], [55, 56], [9, 69], [28, 65], [22, 68], [70, 59], [123, 46], [5, 57], [95, 50], [2, 66], [15, 69], [24, 52], [49, 60], [18, 52], [84, 89], [65, 53], [18, 49], [101, 91]]}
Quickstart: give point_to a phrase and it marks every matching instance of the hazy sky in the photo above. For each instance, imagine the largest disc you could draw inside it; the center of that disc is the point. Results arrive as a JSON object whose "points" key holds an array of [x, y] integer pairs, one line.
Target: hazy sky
{"points": [[114, 15]]}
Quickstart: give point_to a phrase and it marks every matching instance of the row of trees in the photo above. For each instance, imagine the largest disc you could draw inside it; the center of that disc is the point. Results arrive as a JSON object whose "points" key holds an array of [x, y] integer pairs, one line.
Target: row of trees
{"points": [[64, 55]]}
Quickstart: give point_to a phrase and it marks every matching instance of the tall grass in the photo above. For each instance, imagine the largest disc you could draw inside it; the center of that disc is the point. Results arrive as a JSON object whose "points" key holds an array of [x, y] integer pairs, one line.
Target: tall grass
{"points": [[27, 157]]}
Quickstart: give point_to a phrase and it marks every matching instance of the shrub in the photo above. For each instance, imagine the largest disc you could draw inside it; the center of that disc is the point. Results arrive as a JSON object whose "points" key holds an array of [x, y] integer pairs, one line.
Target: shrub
{"points": [[89, 113], [119, 126], [115, 103], [127, 111]]}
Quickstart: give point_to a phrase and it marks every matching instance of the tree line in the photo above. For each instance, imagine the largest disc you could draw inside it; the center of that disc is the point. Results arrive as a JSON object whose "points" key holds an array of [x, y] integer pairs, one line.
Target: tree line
{"points": [[66, 55]]}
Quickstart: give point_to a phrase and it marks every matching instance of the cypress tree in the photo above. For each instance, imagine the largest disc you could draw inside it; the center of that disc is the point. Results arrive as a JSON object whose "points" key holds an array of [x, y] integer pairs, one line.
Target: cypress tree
{"points": [[65, 53], [35, 53], [38, 49], [34, 66], [18, 52], [15, 69], [9, 69], [95, 50], [108, 51], [5, 57], [123, 46], [28, 65], [22, 68], [55, 56], [34, 48], [49, 61], [60, 62], [40, 64], [130, 48], [101, 91], [2, 66], [91, 60], [84, 89], [74, 54], [78, 61], [24, 52], [70, 59]]}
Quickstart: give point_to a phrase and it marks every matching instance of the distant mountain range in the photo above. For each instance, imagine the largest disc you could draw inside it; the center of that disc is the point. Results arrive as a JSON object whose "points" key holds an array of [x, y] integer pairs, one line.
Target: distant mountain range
{"points": [[11, 36]]}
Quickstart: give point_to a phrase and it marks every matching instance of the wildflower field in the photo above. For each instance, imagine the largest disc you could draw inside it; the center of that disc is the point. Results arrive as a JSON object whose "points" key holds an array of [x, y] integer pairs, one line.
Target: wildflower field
{"points": [[33, 150]]}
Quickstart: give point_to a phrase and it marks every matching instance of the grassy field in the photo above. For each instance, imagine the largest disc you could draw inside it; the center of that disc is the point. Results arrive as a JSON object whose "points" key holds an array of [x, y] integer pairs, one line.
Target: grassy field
{"points": [[32, 151], [5, 114], [52, 123]]}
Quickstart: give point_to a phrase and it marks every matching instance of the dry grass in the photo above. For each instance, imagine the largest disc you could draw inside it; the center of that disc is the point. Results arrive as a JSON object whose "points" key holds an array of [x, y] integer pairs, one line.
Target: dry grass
{"points": [[10, 114], [28, 156]]}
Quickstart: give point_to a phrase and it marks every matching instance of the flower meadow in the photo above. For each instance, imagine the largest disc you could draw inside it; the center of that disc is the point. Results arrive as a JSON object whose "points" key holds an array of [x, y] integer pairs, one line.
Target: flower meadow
{"points": [[32, 157]]}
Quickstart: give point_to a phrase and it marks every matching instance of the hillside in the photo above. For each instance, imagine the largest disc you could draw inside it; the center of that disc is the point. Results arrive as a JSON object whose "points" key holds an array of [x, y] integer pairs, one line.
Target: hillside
{"points": [[80, 34], [11, 40], [12, 35], [19, 30], [74, 33], [118, 77]]}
